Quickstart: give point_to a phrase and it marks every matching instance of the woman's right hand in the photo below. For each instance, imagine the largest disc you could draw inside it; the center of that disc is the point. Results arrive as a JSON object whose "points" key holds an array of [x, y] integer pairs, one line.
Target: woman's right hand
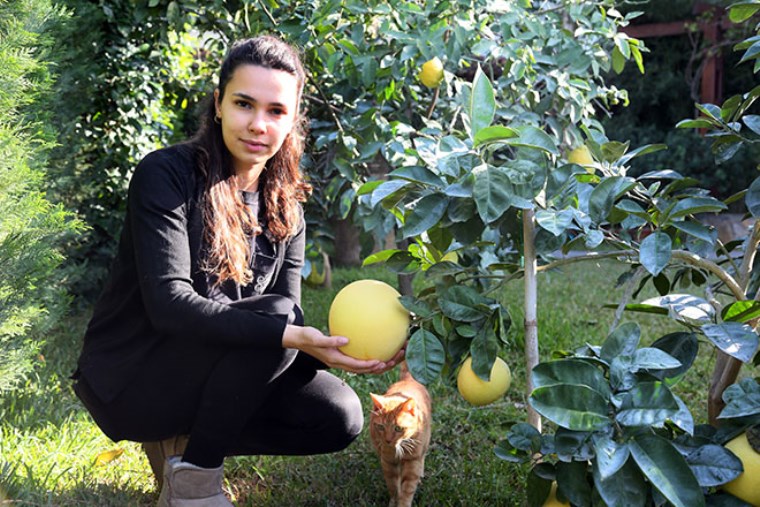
{"points": [[325, 348]]}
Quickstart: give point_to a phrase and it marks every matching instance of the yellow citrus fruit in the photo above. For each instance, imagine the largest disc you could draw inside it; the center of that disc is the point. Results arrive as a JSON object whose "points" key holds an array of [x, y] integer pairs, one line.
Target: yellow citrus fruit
{"points": [[431, 73], [581, 156], [479, 392], [316, 277], [552, 500], [370, 315], [745, 486]]}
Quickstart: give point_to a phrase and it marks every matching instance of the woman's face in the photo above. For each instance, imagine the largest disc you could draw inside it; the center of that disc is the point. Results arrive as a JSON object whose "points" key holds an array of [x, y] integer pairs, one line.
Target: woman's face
{"points": [[256, 113]]}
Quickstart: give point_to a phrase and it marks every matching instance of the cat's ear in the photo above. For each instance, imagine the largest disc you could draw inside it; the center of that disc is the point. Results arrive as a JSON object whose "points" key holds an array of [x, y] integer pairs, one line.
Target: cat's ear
{"points": [[377, 400], [410, 407]]}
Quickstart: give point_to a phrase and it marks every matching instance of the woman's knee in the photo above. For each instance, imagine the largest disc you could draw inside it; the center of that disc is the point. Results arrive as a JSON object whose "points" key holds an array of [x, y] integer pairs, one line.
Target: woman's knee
{"points": [[347, 418]]}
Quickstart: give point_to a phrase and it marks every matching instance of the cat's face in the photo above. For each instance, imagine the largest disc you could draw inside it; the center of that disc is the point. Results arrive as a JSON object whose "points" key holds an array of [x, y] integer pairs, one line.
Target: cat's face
{"points": [[394, 419]]}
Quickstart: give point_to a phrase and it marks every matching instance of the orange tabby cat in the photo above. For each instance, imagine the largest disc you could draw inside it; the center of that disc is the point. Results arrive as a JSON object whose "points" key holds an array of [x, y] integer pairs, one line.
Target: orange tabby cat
{"points": [[400, 432]]}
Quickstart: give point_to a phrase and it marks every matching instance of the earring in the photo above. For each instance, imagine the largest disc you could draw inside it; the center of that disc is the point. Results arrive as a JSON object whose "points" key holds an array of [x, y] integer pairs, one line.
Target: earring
{"points": [[218, 119]]}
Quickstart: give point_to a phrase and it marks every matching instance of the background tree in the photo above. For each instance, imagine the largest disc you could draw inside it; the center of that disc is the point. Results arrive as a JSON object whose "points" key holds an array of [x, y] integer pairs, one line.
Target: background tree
{"points": [[30, 226]]}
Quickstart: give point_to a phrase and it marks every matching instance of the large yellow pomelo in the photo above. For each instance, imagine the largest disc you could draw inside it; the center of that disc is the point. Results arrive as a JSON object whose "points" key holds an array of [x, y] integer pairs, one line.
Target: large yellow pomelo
{"points": [[552, 500], [479, 392], [581, 156], [431, 73], [370, 315], [747, 485]]}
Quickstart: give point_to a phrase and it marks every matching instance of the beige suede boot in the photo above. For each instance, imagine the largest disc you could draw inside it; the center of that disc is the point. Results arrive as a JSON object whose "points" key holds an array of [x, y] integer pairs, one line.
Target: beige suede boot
{"points": [[157, 453], [187, 485]]}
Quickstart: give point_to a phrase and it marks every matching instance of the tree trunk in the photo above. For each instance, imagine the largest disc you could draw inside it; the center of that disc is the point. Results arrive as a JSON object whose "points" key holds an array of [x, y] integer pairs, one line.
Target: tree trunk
{"points": [[724, 374], [347, 246], [531, 304]]}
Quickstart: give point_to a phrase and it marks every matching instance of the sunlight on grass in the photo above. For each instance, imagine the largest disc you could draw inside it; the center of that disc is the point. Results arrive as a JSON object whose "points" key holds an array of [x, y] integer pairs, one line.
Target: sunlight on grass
{"points": [[49, 444]]}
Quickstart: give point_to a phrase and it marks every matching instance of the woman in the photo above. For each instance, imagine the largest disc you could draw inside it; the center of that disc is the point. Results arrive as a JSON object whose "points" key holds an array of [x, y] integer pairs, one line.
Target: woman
{"points": [[199, 330]]}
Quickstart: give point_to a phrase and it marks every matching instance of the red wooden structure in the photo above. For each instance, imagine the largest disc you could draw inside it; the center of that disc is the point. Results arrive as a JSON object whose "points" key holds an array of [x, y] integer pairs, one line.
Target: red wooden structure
{"points": [[711, 85]]}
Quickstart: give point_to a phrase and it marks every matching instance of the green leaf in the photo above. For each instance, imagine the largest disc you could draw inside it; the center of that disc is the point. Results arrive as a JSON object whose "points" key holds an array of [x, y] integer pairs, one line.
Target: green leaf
{"points": [[711, 110], [734, 338], [699, 123], [425, 356], [614, 150], [655, 252], [682, 346], [647, 404], [742, 11], [493, 134], [525, 437], [577, 408], [621, 43], [604, 195], [683, 418], [482, 103], [418, 174], [714, 465], [741, 311], [380, 256], [556, 222], [636, 52], [538, 488], [570, 444], [697, 230], [416, 306], [752, 198], [493, 192], [667, 470], [483, 349], [693, 205], [386, 189], [650, 358], [461, 303], [618, 60], [626, 487], [640, 151], [684, 307], [368, 187], [427, 213], [610, 455], [570, 371], [623, 341], [752, 121], [532, 137], [573, 483], [505, 451], [742, 399]]}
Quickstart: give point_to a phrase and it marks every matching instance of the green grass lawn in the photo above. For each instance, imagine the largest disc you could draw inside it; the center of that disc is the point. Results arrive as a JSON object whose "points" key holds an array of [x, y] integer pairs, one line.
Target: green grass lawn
{"points": [[49, 445]]}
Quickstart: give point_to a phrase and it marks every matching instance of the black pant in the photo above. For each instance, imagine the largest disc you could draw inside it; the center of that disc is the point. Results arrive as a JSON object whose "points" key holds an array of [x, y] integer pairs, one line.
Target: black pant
{"points": [[232, 401]]}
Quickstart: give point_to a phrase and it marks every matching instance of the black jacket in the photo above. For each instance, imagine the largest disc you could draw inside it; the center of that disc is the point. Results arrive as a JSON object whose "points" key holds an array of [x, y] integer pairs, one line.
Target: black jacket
{"points": [[156, 287]]}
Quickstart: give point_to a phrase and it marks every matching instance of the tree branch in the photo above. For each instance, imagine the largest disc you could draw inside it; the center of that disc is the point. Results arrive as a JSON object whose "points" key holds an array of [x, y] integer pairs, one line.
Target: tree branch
{"points": [[750, 251], [681, 255]]}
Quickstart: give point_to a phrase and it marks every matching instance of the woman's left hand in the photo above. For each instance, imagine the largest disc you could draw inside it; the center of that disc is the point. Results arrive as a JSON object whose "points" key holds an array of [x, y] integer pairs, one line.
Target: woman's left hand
{"points": [[326, 349]]}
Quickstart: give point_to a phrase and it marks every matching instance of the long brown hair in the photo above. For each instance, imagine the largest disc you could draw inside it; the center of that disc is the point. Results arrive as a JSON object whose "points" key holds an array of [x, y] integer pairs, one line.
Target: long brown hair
{"points": [[228, 223]]}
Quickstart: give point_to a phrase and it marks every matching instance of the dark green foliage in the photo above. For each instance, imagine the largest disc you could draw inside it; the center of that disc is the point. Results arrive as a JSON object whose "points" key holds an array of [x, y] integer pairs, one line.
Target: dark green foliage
{"points": [[29, 224], [621, 434], [126, 87], [667, 94]]}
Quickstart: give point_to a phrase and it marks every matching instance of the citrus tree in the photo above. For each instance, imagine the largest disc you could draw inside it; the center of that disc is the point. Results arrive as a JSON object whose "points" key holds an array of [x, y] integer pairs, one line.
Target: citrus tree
{"points": [[508, 189], [479, 181]]}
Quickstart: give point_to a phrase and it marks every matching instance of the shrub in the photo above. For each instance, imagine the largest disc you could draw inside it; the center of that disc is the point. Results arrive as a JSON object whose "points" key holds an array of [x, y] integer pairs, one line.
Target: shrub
{"points": [[29, 223]]}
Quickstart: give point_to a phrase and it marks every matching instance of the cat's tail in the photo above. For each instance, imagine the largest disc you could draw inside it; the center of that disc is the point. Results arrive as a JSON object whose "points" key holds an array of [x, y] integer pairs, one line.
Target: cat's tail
{"points": [[404, 371]]}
